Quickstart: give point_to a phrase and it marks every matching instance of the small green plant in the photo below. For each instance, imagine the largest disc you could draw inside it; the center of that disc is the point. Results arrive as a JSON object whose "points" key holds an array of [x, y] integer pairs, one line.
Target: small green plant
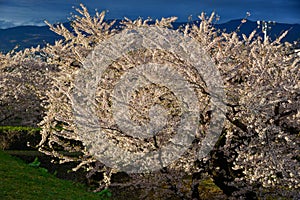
{"points": [[105, 194], [36, 163]]}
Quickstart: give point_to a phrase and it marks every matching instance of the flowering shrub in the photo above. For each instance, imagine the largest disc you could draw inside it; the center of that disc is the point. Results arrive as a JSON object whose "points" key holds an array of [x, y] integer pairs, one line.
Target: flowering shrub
{"points": [[259, 145], [24, 80], [262, 128]]}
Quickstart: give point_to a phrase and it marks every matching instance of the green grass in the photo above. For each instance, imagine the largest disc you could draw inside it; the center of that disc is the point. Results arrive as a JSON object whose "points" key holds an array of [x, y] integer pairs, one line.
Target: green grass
{"points": [[18, 180], [19, 128]]}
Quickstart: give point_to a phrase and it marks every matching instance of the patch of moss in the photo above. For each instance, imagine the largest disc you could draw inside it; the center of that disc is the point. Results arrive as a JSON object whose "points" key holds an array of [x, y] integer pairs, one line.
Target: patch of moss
{"points": [[208, 190]]}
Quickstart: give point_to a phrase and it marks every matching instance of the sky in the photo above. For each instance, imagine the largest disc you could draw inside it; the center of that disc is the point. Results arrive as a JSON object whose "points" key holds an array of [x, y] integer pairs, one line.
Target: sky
{"points": [[34, 12]]}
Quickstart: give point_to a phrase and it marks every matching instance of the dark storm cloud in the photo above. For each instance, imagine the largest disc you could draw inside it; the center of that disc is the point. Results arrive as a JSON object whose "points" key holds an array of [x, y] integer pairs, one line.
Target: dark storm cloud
{"points": [[21, 12]]}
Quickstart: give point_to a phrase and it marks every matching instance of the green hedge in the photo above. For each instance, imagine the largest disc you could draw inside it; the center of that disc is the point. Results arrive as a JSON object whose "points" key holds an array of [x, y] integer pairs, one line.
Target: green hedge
{"points": [[18, 137]]}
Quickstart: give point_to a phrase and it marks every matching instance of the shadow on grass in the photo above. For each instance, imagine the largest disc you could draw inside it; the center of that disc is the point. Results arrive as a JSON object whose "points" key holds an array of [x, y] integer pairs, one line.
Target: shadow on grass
{"points": [[21, 181]]}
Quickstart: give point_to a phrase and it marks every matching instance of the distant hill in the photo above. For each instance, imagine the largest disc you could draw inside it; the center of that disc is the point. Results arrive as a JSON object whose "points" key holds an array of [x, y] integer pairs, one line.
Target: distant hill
{"points": [[274, 32], [28, 36]]}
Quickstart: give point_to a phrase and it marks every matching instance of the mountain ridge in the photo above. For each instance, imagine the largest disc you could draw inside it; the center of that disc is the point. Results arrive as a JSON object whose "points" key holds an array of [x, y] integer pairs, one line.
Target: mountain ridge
{"points": [[30, 35]]}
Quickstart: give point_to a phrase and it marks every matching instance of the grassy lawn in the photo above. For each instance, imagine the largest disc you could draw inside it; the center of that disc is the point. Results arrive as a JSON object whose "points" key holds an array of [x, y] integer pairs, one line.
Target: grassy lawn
{"points": [[18, 180]]}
